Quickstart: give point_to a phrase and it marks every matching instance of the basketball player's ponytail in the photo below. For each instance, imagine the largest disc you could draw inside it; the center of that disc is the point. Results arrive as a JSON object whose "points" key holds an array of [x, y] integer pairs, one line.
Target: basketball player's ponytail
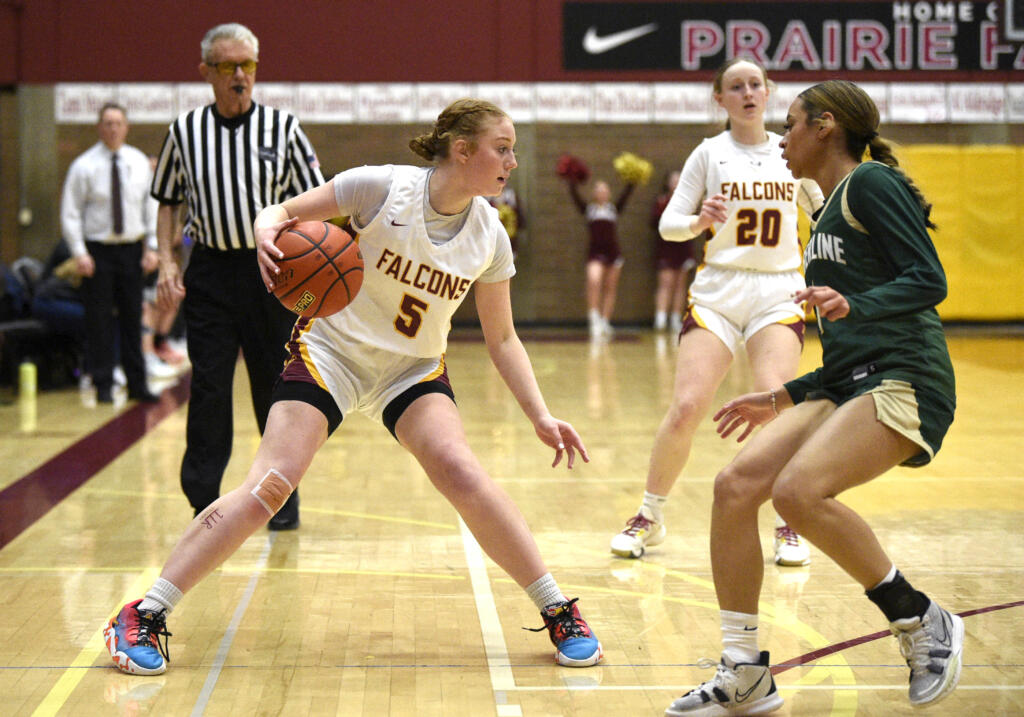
{"points": [[464, 119], [856, 113]]}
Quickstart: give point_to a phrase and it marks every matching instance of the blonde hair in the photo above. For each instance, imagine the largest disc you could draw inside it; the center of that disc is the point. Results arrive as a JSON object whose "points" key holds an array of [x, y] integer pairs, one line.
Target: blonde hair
{"points": [[856, 113], [462, 119]]}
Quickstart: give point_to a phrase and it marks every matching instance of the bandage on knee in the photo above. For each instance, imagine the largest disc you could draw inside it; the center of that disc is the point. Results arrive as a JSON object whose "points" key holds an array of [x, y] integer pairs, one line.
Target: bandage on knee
{"points": [[272, 491]]}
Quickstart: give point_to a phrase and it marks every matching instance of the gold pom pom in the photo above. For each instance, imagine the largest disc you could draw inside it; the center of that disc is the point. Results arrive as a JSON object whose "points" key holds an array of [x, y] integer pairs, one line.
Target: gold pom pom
{"points": [[508, 218], [633, 169]]}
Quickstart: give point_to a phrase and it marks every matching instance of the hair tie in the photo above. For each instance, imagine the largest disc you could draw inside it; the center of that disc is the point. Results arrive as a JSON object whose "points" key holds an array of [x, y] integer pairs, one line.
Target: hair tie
{"points": [[871, 135]]}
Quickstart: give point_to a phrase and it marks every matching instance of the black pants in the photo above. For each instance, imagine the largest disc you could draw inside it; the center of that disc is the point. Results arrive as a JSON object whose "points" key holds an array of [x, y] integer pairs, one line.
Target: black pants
{"points": [[227, 308], [115, 284]]}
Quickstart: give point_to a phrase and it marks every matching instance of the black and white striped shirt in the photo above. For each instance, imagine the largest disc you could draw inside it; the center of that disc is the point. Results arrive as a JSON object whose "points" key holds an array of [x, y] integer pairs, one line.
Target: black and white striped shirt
{"points": [[228, 169]]}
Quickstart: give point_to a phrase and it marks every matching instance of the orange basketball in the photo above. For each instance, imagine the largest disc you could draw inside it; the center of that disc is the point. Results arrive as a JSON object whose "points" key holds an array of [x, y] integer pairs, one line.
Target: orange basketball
{"points": [[321, 270]]}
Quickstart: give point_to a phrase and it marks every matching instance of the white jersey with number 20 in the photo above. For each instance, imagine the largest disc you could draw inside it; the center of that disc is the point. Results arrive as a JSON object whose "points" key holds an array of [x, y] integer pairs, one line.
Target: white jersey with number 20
{"points": [[761, 196]]}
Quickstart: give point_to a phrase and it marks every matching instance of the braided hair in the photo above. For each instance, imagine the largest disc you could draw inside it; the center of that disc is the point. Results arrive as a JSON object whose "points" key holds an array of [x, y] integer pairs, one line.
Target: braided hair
{"points": [[857, 114], [464, 119]]}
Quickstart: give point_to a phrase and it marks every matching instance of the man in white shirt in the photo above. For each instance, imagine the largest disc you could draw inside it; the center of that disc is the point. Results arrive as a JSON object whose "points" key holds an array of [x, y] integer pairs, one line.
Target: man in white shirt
{"points": [[109, 225]]}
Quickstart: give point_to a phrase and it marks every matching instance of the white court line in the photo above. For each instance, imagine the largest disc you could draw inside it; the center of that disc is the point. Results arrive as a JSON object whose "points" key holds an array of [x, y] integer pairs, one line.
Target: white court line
{"points": [[782, 688], [229, 636], [498, 663]]}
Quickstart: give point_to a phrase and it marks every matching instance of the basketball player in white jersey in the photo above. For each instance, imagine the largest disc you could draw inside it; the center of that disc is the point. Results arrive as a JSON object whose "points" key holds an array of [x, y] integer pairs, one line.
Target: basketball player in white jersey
{"points": [[426, 235], [737, 185]]}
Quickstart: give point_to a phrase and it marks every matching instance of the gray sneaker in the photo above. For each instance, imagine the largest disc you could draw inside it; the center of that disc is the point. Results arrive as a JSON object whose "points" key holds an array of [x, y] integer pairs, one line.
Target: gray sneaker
{"points": [[744, 688], [933, 647]]}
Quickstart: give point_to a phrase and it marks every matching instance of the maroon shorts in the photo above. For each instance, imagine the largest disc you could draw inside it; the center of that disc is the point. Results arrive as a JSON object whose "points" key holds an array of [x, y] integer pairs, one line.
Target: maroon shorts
{"points": [[605, 251], [675, 255]]}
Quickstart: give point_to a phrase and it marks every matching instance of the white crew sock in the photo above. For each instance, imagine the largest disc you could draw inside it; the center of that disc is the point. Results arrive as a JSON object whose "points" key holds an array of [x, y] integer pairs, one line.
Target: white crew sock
{"points": [[890, 576], [739, 636], [654, 503], [544, 591], [162, 596], [660, 320]]}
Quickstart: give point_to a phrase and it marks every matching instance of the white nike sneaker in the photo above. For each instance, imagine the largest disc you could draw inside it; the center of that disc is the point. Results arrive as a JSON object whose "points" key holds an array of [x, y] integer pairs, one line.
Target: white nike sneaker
{"points": [[790, 549], [933, 647], [743, 688], [641, 531]]}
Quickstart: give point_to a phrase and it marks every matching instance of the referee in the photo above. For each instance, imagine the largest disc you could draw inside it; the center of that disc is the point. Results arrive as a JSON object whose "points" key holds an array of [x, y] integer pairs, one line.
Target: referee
{"points": [[227, 161]]}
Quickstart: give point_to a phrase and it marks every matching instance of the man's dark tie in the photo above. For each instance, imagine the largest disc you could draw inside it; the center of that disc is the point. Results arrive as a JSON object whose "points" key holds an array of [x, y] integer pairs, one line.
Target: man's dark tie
{"points": [[116, 207]]}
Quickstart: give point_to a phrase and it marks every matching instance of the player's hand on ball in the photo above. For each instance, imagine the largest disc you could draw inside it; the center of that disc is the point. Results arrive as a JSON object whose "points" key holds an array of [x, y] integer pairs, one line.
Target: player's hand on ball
{"points": [[267, 253]]}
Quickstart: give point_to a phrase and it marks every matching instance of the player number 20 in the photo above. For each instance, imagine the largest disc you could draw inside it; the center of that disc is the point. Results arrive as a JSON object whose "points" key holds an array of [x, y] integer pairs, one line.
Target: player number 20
{"points": [[410, 318], [753, 225]]}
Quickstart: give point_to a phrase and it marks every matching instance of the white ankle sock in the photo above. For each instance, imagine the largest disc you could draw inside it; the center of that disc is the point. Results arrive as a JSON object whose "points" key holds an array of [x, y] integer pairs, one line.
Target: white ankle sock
{"points": [[739, 636], [890, 576], [544, 591], [162, 596], [654, 503]]}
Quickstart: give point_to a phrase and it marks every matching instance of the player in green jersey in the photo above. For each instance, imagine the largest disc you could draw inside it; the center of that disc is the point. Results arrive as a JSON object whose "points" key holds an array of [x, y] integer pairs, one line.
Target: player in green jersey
{"points": [[884, 396]]}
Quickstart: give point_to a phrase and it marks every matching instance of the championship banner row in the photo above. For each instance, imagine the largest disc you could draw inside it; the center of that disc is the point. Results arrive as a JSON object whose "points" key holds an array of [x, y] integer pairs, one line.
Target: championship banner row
{"points": [[609, 102]]}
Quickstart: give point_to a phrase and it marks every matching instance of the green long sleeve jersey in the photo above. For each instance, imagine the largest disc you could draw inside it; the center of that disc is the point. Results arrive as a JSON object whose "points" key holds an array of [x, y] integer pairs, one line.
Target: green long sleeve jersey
{"points": [[869, 242]]}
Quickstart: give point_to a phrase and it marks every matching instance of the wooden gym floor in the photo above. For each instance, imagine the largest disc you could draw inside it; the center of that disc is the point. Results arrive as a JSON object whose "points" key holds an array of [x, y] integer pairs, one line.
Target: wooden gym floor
{"points": [[382, 604]]}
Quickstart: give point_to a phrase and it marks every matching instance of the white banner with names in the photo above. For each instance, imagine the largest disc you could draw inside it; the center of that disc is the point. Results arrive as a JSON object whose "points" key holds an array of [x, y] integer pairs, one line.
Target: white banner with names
{"points": [[562, 102]]}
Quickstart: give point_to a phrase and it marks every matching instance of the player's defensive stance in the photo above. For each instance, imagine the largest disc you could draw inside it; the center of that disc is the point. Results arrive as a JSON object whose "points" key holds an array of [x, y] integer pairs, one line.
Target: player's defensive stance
{"points": [[426, 235], [884, 396]]}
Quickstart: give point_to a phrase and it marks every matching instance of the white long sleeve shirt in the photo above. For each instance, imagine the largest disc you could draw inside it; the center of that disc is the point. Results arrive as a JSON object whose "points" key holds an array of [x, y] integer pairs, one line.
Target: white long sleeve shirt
{"points": [[85, 209]]}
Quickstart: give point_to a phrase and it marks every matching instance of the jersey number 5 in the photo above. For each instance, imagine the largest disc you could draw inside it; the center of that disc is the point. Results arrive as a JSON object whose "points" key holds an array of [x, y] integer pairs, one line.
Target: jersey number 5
{"points": [[410, 318], [750, 225]]}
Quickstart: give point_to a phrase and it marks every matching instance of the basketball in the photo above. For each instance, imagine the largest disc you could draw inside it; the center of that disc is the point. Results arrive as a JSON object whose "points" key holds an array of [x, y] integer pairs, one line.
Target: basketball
{"points": [[321, 270]]}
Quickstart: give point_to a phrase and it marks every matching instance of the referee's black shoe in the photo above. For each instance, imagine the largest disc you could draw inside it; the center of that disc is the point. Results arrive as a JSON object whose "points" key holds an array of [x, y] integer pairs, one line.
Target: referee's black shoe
{"points": [[288, 517]]}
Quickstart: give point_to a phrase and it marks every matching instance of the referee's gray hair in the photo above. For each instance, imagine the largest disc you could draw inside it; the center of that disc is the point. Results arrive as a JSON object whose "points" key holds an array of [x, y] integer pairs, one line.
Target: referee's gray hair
{"points": [[229, 31]]}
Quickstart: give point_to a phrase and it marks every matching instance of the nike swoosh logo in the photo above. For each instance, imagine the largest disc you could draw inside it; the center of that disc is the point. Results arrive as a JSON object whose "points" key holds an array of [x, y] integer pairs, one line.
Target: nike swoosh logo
{"points": [[743, 696], [396, 224], [595, 44]]}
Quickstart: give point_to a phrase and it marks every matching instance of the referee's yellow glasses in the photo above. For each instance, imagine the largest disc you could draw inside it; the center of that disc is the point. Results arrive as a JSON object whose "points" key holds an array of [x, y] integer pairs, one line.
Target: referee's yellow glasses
{"points": [[228, 68]]}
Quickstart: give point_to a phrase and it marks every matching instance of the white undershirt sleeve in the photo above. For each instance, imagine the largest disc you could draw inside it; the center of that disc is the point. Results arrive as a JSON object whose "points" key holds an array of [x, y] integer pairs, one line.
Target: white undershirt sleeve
{"points": [[362, 191], [684, 207]]}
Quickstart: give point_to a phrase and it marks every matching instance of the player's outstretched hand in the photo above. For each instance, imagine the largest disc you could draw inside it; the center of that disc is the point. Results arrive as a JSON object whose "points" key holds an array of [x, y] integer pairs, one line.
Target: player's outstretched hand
{"points": [[267, 252], [751, 409], [563, 438], [830, 303]]}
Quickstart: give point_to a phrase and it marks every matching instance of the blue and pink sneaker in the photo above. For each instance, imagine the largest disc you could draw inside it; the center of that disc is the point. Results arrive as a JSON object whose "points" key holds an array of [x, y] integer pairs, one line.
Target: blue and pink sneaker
{"points": [[133, 638], [575, 644]]}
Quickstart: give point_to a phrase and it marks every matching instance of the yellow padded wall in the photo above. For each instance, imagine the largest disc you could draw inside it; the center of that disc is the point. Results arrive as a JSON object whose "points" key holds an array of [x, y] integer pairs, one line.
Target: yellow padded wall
{"points": [[979, 207]]}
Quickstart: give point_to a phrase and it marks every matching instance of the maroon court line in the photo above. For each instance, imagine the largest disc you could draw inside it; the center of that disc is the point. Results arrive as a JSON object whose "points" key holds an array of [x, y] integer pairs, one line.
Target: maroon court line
{"points": [[831, 649], [30, 497]]}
